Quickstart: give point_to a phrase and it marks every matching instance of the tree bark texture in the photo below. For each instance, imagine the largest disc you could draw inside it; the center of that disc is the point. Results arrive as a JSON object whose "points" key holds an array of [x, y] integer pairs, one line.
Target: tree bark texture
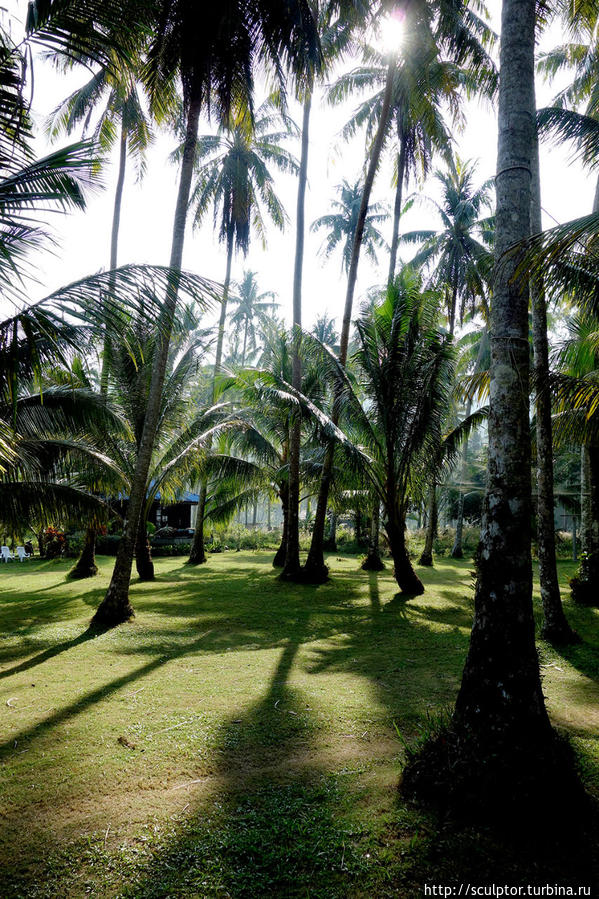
{"points": [[291, 568], [315, 570], [115, 607], [555, 627], [330, 544], [86, 563]]}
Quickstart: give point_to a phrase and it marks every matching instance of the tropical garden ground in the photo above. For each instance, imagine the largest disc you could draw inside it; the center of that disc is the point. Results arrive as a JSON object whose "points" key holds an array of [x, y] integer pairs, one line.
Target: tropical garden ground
{"points": [[244, 737]]}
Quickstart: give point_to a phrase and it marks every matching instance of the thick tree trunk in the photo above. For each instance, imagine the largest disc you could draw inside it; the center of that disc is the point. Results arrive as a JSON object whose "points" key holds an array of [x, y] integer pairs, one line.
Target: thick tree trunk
{"points": [[315, 570], [407, 579], [426, 557], [401, 172], [86, 563], [292, 568], [373, 561], [114, 243], [279, 559], [115, 607], [585, 584], [143, 554], [197, 553], [555, 627], [500, 755]]}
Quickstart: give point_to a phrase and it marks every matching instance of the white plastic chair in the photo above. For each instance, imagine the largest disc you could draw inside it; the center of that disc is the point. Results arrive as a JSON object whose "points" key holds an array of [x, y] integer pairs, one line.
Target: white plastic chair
{"points": [[22, 554], [6, 554]]}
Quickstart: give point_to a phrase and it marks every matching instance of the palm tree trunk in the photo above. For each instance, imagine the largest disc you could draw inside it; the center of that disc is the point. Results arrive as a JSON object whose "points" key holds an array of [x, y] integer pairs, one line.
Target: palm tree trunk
{"points": [[279, 559], [401, 170], [114, 242], [115, 607], [86, 563], [245, 342], [407, 579], [143, 553], [373, 561], [197, 553], [457, 551], [426, 557], [315, 570], [291, 569], [499, 757], [330, 543], [585, 585], [555, 627]]}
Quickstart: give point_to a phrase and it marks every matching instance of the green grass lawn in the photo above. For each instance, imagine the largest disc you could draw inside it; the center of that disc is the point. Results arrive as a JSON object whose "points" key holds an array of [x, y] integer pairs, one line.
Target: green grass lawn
{"points": [[239, 737]]}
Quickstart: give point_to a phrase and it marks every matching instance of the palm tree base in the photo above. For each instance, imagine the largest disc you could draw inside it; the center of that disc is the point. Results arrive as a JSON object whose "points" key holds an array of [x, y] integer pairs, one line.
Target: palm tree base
{"points": [[330, 545], [373, 562], [457, 552], [512, 781], [558, 635], [81, 571], [279, 559], [197, 558], [314, 573], [112, 611], [426, 559]]}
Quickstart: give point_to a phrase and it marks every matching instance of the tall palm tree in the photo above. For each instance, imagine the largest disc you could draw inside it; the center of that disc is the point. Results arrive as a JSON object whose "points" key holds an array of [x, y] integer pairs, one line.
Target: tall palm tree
{"points": [[115, 91], [341, 224], [500, 747], [252, 309], [212, 50], [233, 179], [460, 34]]}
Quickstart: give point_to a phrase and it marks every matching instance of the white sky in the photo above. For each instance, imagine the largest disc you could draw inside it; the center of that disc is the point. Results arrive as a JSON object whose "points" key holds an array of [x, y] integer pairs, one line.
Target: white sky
{"points": [[148, 207]]}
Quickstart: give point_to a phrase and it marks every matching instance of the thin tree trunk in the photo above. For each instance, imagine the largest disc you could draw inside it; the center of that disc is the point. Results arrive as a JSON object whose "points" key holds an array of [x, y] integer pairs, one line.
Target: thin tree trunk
{"points": [[268, 515], [315, 570], [401, 169], [114, 243], [555, 627], [426, 557], [574, 541], [457, 551], [115, 607], [86, 563], [500, 753], [585, 584], [197, 552], [143, 553], [330, 543], [245, 341], [292, 568], [373, 561], [279, 559]]}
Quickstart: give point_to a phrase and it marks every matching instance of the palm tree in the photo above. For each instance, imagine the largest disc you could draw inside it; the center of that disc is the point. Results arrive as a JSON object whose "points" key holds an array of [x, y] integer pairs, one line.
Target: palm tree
{"points": [[212, 51], [500, 747], [459, 257], [252, 309], [459, 34], [234, 180], [341, 224], [122, 119], [394, 415]]}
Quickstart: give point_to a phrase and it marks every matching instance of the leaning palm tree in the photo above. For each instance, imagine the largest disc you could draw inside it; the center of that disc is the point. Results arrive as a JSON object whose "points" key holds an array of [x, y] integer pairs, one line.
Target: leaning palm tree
{"points": [[233, 179], [212, 51], [341, 224]]}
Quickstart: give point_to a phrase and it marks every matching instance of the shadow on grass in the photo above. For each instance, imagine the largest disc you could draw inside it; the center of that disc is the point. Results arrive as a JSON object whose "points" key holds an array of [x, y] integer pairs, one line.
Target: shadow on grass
{"points": [[49, 653]]}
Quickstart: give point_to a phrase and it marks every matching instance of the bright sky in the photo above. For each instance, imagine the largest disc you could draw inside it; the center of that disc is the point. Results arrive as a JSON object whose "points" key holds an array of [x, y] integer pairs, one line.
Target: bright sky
{"points": [[148, 207]]}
